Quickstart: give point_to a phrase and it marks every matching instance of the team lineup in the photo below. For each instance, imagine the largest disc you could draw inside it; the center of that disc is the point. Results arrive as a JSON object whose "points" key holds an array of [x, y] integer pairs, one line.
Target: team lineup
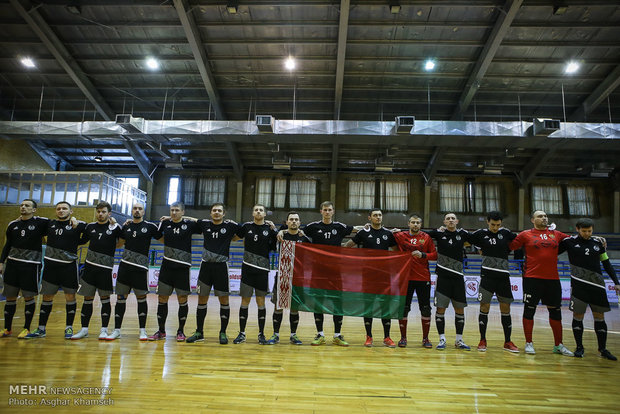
{"points": [[22, 257]]}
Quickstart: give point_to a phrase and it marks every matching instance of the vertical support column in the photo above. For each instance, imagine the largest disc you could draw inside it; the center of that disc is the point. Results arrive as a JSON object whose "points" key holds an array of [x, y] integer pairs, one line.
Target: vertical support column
{"points": [[521, 221], [427, 205], [149, 199], [332, 193], [239, 201], [616, 211]]}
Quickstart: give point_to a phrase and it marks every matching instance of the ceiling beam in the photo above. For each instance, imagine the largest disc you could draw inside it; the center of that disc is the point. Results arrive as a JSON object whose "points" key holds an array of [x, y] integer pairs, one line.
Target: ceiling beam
{"points": [[530, 170], [200, 55], [139, 156], [343, 29], [602, 91], [65, 60], [55, 161], [433, 165], [501, 27]]}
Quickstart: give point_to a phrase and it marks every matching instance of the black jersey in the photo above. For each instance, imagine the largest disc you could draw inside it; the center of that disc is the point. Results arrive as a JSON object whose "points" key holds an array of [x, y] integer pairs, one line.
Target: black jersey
{"points": [[585, 258], [23, 240], [217, 238], [63, 240], [378, 239], [449, 250], [495, 249], [102, 238], [138, 242], [258, 241], [295, 237], [330, 234], [178, 240]]}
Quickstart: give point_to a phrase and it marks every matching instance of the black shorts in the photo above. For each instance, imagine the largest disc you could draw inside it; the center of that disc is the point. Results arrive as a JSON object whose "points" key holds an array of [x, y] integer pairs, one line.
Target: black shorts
{"points": [[216, 275], [583, 294], [500, 286], [21, 276], [175, 276], [549, 291], [133, 277], [97, 276], [254, 277], [423, 291], [450, 289], [57, 274]]}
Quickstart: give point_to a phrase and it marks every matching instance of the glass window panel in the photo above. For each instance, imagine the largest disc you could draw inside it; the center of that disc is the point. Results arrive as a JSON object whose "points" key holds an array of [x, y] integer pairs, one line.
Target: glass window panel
{"points": [[211, 190], [13, 193], [189, 190], [70, 177], [279, 194], [59, 193], [36, 192], [24, 191], [580, 200], [47, 193], [82, 198], [547, 198], [71, 193], [26, 177], [3, 189], [394, 195], [492, 197], [451, 197], [93, 194], [263, 191], [173, 190], [302, 194], [361, 194]]}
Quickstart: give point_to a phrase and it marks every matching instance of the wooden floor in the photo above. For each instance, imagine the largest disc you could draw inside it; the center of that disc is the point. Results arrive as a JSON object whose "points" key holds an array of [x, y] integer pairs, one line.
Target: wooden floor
{"points": [[208, 377]]}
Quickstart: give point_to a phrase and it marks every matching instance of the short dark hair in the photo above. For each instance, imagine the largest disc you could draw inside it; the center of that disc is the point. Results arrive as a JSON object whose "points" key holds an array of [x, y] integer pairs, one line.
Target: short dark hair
{"points": [[64, 202], [372, 210], [291, 212], [326, 204], [259, 204], [494, 215], [584, 223], [415, 215], [178, 204], [34, 203], [104, 204], [218, 204]]}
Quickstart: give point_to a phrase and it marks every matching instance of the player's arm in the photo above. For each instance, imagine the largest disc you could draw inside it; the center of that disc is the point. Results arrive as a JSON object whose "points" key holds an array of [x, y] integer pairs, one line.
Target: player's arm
{"points": [[431, 250], [5, 250], [350, 243], [610, 271], [518, 242]]}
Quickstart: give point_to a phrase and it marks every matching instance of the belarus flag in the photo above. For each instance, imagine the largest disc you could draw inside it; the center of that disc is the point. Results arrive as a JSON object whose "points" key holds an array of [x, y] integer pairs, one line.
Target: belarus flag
{"points": [[343, 281]]}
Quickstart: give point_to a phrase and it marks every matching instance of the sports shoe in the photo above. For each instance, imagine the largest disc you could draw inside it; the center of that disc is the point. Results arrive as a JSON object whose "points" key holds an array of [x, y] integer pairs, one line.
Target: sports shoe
{"points": [[529, 348], [223, 338], [261, 339], [388, 342], [402, 343], [561, 349], [482, 345], [275, 339], [318, 340], [579, 352], [511, 347], [114, 335], [181, 336], [295, 340], [461, 345], [82, 333], [23, 334], [196, 337], [608, 355], [157, 336], [239, 339], [368, 342], [339, 340], [426, 343], [143, 336], [103, 334], [5, 333], [68, 332], [441, 345], [37, 333]]}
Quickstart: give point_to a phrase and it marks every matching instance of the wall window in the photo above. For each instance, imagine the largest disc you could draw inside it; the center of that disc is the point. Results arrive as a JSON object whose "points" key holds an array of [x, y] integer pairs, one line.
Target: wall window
{"points": [[210, 191], [393, 195], [361, 194], [174, 189], [547, 198], [271, 192], [302, 193], [451, 197], [580, 200]]}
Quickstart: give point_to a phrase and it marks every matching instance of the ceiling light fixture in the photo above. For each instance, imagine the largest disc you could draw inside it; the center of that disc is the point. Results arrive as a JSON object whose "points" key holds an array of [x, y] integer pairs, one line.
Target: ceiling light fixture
{"points": [[394, 8], [152, 63], [98, 158], [28, 62], [289, 63], [571, 67], [429, 65]]}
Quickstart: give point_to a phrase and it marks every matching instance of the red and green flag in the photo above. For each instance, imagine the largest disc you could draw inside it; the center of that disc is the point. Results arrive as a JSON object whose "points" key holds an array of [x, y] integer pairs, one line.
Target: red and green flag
{"points": [[343, 281]]}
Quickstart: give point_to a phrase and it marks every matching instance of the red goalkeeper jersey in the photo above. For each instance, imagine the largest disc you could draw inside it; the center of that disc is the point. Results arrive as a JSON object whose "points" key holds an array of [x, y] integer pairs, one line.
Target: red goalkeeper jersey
{"points": [[541, 252], [421, 242]]}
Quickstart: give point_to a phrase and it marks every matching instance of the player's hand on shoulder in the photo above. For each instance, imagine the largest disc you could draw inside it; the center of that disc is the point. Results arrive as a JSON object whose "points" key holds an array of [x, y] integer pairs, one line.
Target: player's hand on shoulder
{"points": [[442, 228], [113, 221], [601, 240], [164, 218], [1, 268], [281, 235], [127, 222], [74, 222], [617, 288], [271, 224]]}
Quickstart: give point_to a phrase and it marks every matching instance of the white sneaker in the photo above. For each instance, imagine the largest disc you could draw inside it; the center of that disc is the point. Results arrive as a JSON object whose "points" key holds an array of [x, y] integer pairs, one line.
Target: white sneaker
{"points": [[143, 335], [83, 333], [103, 334], [114, 335], [529, 348], [561, 349]]}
